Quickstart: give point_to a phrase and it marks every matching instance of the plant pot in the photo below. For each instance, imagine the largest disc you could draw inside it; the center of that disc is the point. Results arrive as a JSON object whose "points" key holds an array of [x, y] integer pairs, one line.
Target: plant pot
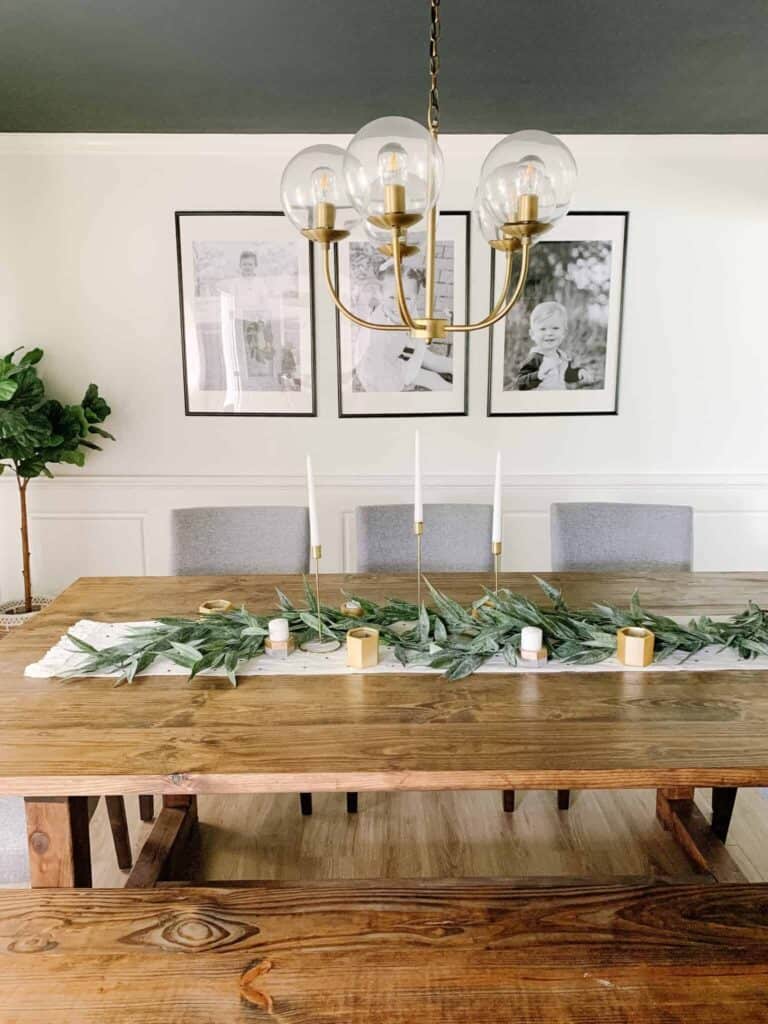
{"points": [[10, 618]]}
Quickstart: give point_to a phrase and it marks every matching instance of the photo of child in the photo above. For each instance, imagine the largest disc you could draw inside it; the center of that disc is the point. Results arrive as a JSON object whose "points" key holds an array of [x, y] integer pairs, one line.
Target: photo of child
{"points": [[556, 353], [556, 338], [548, 366]]}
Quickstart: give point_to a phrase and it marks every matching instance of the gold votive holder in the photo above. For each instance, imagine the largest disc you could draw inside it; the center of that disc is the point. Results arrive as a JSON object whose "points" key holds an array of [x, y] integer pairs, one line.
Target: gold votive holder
{"points": [[362, 647], [634, 646], [217, 607], [351, 609], [535, 658], [279, 648]]}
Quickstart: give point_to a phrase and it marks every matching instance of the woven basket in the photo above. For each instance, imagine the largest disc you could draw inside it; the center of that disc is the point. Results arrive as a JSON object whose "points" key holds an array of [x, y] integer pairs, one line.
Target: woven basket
{"points": [[9, 621]]}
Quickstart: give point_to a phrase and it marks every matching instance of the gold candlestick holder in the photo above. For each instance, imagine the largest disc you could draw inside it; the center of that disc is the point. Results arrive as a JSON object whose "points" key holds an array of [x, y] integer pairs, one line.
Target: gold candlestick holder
{"points": [[324, 643], [496, 551], [418, 529]]}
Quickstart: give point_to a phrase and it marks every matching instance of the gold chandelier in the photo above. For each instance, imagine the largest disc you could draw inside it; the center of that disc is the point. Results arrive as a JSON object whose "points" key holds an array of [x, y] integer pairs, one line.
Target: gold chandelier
{"points": [[390, 176]]}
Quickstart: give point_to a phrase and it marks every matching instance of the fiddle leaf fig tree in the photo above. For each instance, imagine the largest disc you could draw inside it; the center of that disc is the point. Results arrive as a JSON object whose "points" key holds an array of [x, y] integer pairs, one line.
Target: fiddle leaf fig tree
{"points": [[37, 432]]}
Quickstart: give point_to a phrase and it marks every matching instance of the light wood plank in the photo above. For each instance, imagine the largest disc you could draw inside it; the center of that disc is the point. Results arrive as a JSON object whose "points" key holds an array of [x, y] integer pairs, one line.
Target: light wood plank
{"points": [[586, 730], [447, 952]]}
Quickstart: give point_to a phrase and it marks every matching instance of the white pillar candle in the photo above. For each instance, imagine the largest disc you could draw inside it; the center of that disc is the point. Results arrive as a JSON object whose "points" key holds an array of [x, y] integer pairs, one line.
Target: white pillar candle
{"points": [[278, 629], [531, 638], [314, 529], [418, 504], [496, 531]]}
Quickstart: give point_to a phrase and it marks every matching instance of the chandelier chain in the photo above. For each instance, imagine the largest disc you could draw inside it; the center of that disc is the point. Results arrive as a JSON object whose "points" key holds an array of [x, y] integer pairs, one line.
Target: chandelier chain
{"points": [[433, 110]]}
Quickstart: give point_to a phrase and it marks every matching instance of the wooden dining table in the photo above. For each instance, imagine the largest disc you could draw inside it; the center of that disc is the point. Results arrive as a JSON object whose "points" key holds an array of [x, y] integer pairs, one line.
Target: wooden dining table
{"points": [[62, 741]]}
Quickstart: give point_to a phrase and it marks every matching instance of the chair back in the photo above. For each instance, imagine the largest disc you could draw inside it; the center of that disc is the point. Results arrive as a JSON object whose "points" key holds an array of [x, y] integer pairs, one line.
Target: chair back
{"points": [[457, 538], [611, 537], [243, 539]]}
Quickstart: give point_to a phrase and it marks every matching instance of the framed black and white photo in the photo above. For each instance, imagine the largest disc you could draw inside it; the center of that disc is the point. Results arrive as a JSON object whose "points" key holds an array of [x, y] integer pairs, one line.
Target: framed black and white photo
{"points": [[389, 373], [557, 351], [247, 315]]}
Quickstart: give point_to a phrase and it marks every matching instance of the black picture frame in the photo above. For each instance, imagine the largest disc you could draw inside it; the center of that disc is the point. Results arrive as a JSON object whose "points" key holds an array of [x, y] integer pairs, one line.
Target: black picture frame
{"points": [[623, 216], [312, 318], [464, 411]]}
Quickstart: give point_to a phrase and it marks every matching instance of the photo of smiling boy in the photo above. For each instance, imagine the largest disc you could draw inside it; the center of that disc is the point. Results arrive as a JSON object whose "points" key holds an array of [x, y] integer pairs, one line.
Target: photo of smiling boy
{"points": [[548, 367]]}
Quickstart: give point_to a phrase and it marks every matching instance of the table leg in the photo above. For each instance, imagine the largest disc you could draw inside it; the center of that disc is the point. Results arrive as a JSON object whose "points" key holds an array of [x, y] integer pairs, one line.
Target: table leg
{"points": [[723, 799], [59, 842], [164, 854], [702, 847]]}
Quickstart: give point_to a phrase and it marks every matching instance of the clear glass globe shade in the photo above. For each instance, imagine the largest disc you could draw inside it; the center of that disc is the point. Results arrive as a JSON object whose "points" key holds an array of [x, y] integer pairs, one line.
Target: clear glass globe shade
{"points": [[487, 223], [525, 157], [393, 151], [316, 175], [383, 236]]}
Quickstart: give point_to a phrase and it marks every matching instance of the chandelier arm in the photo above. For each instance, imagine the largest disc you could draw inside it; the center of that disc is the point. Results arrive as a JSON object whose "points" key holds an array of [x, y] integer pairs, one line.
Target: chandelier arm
{"points": [[402, 304], [343, 309], [505, 288], [497, 313]]}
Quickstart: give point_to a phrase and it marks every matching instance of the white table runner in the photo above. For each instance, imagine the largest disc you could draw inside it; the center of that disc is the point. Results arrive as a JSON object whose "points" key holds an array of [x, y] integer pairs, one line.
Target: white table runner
{"points": [[62, 658]]}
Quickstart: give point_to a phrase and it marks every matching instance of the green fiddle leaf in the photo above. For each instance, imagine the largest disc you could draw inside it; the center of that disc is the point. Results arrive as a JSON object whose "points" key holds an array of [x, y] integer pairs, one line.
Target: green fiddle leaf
{"points": [[30, 358]]}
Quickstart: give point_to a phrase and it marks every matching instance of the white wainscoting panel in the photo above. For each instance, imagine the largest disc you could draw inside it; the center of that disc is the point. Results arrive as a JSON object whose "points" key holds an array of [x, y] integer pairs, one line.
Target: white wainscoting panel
{"points": [[88, 525], [71, 544]]}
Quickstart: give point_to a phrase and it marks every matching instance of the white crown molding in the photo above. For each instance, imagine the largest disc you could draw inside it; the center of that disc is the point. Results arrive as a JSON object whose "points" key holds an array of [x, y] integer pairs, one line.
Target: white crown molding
{"points": [[95, 143], [30, 143], [554, 481]]}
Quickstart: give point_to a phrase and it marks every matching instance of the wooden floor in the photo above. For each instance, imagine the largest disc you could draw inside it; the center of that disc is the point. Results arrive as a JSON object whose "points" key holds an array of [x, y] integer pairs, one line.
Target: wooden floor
{"points": [[439, 835]]}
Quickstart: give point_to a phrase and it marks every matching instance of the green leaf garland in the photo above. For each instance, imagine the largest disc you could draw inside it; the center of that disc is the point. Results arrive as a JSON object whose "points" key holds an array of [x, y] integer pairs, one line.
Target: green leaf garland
{"points": [[446, 636]]}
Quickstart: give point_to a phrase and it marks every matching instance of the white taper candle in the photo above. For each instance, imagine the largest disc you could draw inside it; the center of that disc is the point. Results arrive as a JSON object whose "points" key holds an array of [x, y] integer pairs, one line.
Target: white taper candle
{"points": [[418, 503], [314, 529], [496, 530]]}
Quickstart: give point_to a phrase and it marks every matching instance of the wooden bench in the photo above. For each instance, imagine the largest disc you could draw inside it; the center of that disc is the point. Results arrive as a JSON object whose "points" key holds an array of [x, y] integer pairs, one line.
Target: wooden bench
{"points": [[475, 952]]}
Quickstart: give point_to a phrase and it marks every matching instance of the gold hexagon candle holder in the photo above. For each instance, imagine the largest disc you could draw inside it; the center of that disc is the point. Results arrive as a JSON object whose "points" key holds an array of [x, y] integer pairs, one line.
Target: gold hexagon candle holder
{"points": [[362, 647], [634, 646], [214, 607], [352, 609]]}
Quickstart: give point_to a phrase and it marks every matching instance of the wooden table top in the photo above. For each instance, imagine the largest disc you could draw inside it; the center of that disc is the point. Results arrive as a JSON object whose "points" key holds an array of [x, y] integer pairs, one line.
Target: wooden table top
{"points": [[291, 733], [450, 952]]}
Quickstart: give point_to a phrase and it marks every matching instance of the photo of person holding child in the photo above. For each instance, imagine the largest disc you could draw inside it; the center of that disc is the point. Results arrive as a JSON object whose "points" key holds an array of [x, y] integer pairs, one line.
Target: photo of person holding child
{"points": [[390, 373], [557, 350]]}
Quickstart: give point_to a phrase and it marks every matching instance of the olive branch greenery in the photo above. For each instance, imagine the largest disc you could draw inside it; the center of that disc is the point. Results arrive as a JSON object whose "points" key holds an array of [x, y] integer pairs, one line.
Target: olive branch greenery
{"points": [[446, 635]]}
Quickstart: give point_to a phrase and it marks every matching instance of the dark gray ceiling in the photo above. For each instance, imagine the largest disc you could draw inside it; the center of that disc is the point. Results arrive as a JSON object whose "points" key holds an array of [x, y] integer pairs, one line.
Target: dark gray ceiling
{"points": [[331, 65]]}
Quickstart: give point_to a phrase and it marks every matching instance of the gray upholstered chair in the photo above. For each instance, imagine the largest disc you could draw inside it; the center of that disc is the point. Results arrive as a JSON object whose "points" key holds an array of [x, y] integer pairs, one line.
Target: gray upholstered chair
{"points": [[242, 539], [457, 538], [613, 537]]}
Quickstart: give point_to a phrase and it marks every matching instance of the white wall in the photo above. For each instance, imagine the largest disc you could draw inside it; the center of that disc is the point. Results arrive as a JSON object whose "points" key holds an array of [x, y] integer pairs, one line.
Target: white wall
{"points": [[88, 270]]}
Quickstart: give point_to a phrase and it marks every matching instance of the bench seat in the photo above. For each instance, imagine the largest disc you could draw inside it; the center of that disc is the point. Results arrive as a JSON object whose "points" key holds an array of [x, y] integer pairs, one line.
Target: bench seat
{"points": [[386, 952]]}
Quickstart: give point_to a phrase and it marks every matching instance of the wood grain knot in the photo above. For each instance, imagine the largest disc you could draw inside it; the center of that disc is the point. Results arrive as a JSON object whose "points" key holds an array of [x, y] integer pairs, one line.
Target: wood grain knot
{"points": [[251, 986], [32, 944], [39, 842], [193, 931]]}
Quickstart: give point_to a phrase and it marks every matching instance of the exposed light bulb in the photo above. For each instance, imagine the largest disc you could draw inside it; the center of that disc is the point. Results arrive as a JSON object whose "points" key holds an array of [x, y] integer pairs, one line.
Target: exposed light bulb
{"points": [[531, 178], [393, 164], [323, 185]]}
